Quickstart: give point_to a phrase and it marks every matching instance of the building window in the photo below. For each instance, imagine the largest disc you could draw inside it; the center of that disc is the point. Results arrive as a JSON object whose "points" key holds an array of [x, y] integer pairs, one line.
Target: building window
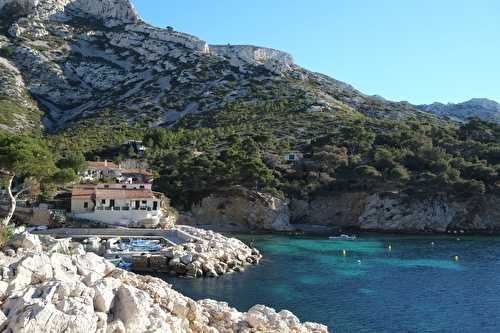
{"points": [[142, 186], [124, 186], [85, 205], [144, 202], [103, 201], [106, 186]]}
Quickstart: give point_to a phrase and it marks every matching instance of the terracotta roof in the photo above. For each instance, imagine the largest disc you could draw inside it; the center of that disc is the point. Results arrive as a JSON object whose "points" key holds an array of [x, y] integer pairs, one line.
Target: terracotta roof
{"points": [[83, 192], [102, 165], [110, 193]]}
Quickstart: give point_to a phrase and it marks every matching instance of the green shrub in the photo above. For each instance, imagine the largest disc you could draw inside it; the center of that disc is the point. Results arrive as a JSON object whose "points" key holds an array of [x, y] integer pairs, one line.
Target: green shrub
{"points": [[6, 52]]}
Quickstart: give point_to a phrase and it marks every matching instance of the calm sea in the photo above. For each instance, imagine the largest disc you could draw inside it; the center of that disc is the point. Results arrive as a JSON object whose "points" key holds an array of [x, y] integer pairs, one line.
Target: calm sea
{"points": [[383, 283]]}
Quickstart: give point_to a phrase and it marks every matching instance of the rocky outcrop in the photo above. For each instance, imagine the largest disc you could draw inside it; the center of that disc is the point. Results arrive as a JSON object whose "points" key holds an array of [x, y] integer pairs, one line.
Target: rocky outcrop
{"points": [[111, 12], [206, 254], [241, 55], [477, 107], [243, 209], [399, 213], [51, 291]]}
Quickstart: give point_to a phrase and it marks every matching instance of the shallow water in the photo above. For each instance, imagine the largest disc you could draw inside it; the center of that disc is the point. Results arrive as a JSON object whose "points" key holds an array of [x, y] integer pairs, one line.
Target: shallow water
{"points": [[415, 287]]}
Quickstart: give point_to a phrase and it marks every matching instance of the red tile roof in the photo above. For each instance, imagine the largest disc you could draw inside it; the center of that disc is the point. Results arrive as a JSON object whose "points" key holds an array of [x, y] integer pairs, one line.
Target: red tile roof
{"points": [[83, 192], [110, 193]]}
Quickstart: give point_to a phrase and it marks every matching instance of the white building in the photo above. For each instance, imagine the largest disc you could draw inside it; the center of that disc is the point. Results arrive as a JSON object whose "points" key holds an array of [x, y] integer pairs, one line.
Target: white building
{"points": [[100, 170], [110, 170], [117, 204]]}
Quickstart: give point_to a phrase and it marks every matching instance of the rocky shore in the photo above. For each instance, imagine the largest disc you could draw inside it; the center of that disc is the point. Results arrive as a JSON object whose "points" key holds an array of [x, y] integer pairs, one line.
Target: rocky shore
{"points": [[207, 254], [55, 286]]}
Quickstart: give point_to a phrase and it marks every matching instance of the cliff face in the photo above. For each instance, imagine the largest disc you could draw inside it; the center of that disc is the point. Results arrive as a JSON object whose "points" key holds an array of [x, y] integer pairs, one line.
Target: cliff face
{"points": [[112, 12], [242, 55], [243, 209], [393, 212]]}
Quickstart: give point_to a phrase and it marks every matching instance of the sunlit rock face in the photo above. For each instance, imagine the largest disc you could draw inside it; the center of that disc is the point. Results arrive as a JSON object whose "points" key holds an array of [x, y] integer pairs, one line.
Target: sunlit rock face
{"points": [[241, 55], [112, 12], [89, 60]]}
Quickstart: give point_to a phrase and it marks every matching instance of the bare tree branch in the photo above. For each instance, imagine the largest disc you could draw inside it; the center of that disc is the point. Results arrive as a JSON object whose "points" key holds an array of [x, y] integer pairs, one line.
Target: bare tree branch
{"points": [[24, 190]]}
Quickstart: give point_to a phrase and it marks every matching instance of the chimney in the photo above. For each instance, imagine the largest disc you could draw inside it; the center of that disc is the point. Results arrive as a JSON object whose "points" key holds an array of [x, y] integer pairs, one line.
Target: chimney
{"points": [[105, 163]]}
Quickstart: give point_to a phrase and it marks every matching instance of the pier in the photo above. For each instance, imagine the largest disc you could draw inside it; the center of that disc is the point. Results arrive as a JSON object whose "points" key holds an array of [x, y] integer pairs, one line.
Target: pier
{"points": [[171, 236]]}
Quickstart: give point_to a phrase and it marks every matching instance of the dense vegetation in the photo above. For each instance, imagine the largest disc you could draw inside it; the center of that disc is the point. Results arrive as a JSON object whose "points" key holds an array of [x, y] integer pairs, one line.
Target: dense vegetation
{"points": [[29, 165], [343, 151]]}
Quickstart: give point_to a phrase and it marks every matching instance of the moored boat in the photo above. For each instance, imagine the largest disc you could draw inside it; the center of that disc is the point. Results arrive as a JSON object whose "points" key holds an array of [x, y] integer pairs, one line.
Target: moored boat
{"points": [[343, 237]]}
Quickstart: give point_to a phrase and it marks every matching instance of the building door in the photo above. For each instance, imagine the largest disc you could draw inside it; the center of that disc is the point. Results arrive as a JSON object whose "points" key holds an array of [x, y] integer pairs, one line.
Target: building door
{"points": [[112, 203], [155, 205], [137, 204]]}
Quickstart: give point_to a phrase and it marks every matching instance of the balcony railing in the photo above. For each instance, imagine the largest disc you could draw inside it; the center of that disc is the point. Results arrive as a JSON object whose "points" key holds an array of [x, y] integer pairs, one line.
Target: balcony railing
{"points": [[143, 208]]}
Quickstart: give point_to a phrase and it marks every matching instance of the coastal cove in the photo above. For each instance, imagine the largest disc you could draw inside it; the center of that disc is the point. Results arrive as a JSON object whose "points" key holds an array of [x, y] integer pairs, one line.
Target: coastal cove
{"points": [[384, 283]]}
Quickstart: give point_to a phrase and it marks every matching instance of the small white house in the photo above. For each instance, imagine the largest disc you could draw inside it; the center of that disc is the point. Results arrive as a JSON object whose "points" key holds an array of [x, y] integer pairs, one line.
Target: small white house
{"points": [[117, 204], [106, 169], [100, 170]]}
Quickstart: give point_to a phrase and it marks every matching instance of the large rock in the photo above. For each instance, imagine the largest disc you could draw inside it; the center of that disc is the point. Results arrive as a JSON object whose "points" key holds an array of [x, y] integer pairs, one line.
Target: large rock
{"points": [[26, 241], [243, 209]]}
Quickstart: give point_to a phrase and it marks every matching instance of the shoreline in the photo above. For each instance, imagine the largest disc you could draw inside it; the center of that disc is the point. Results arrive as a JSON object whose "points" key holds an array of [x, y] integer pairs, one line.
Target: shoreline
{"points": [[322, 230], [55, 285]]}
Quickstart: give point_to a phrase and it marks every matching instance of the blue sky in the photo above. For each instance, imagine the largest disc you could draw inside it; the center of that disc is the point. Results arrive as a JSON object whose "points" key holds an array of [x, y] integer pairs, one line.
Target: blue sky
{"points": [[415, 50]]}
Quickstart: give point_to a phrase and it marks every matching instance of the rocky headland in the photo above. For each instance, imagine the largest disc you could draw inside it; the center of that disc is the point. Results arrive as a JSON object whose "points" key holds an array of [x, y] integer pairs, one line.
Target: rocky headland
{"points": [[240, 209], [55, 286], [246, 210], [397, 212]]}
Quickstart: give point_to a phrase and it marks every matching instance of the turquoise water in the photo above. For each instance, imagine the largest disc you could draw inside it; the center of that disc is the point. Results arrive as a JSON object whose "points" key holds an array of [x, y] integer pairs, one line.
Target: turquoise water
{"points": [[415, 287]]}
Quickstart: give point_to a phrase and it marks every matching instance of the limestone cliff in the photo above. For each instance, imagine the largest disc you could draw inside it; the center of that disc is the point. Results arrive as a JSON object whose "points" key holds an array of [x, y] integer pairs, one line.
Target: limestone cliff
{"points": [[243, 209], [241, 55], [399, 213], [112, 12]]}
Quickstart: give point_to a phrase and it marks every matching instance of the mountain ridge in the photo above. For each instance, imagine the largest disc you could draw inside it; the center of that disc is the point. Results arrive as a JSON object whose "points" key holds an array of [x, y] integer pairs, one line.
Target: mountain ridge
{"points": [[483, 108], [93, 59]]}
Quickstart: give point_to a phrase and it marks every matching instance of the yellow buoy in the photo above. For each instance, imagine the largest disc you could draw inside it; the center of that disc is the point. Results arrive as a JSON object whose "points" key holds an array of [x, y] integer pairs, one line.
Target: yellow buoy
{"points": [[344, 253], [456, 258]]}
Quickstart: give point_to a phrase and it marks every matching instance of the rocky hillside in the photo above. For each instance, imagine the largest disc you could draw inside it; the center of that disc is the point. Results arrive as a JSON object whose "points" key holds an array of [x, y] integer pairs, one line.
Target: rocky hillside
{"points": [[477, 107], [75, 60]]}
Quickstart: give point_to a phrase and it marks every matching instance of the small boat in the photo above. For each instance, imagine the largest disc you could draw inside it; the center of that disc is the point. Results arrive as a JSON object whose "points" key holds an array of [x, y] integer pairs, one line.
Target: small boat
{"points": [[120, 263], [343, 237], [140, 245]]}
